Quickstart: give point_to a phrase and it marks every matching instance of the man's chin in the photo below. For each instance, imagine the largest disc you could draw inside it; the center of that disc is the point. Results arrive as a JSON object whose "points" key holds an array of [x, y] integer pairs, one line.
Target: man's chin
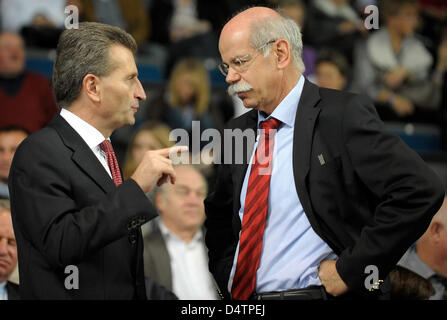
{"points": [[247, 104]]}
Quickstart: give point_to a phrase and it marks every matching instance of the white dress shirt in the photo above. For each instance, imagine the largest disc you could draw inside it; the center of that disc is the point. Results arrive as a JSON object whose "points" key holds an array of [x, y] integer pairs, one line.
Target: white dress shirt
{"points": [[191, 279], [3, 292], [89, 134], [291, 250]]}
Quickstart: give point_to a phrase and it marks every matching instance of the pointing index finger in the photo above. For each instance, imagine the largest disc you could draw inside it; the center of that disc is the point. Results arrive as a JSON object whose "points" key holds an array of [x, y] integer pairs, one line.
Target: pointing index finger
{"points": [[173, 150]]}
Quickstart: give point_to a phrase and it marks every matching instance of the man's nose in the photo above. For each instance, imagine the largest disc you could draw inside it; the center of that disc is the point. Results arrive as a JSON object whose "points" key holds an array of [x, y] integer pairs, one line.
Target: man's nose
{"points": [[232, 76], [3, 246], [140, 94]]}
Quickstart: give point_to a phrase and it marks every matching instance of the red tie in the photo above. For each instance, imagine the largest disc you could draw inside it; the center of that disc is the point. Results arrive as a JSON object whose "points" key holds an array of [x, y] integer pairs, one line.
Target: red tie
{"points": [[106, 146], [255, 213]]}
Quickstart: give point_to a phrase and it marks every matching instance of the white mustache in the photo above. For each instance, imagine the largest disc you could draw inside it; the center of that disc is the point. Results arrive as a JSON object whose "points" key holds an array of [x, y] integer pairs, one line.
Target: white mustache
{"points": [[239, 87]]}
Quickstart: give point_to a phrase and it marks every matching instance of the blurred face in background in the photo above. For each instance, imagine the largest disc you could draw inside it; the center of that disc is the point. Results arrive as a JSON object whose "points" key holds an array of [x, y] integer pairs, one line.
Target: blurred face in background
{"points": [[328, 76], [9, 141], [181, 205], [8, 248], [406, 20], [12, 55], [185, 88], [144, 141]]}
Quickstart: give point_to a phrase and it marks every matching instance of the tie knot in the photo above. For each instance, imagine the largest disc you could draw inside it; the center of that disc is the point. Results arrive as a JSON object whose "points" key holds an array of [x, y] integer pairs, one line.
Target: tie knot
{"points": [[270, 124], [106, 146]]}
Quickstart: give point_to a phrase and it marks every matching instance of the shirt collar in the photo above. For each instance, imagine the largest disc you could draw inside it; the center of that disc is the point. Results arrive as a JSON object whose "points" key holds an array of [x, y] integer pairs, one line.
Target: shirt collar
{"points": [[88, 133], [286, 109], [422, 269], [3, 285], [168, 234]]}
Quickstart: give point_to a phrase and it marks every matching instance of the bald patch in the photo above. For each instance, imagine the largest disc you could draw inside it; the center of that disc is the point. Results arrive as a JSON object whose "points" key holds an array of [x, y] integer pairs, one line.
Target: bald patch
{"points": [[246, 18]]}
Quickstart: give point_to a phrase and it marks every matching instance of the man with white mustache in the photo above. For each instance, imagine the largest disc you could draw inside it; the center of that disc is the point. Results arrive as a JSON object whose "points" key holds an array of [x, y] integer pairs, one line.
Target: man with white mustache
{"points": [[341, 194]]}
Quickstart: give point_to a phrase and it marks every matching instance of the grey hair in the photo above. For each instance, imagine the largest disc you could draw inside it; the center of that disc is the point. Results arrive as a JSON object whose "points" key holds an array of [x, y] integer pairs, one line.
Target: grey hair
{"points": [[85, 51], [275, 28], [5, 205], [162, 189]]}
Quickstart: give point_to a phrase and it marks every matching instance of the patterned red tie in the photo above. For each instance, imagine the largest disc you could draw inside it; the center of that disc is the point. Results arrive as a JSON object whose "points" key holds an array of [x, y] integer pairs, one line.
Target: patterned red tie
{"points": [[106, 146], [255, 213]]}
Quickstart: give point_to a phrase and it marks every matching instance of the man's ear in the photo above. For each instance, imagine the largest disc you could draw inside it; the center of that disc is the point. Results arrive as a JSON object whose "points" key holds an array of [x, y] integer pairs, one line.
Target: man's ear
{"points": [[282, 51], [159, 201], [91, 87], [435, 231]]}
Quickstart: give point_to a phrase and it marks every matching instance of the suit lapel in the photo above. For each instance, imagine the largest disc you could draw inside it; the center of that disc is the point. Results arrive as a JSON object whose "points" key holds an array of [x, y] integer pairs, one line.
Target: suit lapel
{"points": [[83, 156], [306, 117], [251, 122], [157, 246]]}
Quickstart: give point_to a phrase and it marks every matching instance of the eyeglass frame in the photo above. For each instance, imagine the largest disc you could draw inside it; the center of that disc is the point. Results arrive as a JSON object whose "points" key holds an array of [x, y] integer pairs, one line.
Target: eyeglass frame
{"points": [[224, 68]]}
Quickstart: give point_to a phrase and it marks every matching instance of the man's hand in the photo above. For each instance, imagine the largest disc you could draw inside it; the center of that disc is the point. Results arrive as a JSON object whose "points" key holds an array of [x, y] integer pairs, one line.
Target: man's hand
{"points": [[330, 279], [156, 168]]}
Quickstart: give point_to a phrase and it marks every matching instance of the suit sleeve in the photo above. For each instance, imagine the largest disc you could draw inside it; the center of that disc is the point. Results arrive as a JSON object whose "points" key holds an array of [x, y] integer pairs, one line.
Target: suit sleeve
{"points": [[408, 194], [219, 237], [47, 216]]}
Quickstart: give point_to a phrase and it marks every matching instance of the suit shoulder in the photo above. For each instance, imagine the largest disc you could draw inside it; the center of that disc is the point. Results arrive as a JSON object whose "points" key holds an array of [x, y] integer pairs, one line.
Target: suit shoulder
{"points": [[42, 142], [241, 121], [345, 103], [333, 96]]}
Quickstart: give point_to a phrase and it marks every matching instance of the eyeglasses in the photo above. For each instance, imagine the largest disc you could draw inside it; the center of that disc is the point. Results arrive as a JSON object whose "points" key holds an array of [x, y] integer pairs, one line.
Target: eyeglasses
{"points": [[241, 64], [184, 191]]}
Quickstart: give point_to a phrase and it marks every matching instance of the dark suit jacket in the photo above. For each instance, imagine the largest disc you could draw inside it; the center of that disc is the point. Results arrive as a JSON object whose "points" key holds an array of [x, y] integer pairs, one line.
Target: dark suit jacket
{"points": [[13, 291], [157, 263], [369, 202], [66, 211]]}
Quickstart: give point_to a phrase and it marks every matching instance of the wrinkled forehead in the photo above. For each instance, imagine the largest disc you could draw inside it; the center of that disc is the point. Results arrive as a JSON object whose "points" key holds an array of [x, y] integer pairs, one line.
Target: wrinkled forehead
{"points": [[234, 43]]}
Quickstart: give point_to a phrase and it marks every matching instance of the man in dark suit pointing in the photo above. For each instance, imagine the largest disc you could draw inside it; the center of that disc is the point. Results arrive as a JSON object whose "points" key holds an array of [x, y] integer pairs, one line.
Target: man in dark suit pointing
{"points": [[70, 208], [328, 193]]}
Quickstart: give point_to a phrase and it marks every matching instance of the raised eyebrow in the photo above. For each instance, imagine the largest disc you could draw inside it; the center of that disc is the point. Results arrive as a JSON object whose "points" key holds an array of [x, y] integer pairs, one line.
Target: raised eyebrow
{"points": [[245, 56]]}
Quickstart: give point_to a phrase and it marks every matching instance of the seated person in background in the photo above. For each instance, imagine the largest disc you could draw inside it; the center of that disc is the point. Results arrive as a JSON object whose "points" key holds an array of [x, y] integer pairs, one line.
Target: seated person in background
{"points": [[334, 24], [175, 20], [188, 28], [332, 70], [16, 14], [149, 136], [393, 67], [8, 253], [10, 138], [175, 255], [188, 98], [26, 98], [40, 22], [129, 15], [296, 9], [428, 257]]}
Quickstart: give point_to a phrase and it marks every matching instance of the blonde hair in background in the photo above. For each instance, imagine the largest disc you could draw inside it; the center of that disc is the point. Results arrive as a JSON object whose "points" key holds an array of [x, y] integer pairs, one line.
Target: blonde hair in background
{"points": [[201, 82], [159, 130]]}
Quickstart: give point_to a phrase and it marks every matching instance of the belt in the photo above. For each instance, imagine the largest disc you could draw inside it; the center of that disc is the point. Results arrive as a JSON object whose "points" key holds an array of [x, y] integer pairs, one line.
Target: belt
{"points": [[309, 293]]}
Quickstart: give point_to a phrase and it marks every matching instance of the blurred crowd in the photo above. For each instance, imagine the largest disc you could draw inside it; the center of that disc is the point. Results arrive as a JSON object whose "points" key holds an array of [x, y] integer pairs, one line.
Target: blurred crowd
{"points": [[401, 66]]}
